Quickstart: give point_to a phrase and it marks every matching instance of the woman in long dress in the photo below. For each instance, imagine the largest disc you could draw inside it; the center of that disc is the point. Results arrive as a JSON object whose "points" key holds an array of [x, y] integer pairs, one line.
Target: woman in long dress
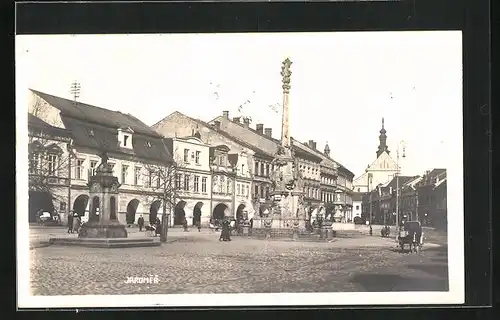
{"points": [[76, 223]]}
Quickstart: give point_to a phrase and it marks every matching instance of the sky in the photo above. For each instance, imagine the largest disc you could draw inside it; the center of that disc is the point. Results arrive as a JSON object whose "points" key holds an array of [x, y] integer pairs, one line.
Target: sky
{"points": [[342, 84]]}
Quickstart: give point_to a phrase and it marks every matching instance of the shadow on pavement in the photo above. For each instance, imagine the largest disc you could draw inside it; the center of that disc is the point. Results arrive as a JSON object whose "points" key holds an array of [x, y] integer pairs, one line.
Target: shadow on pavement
{"points": [[391, 282], [439, 270]]}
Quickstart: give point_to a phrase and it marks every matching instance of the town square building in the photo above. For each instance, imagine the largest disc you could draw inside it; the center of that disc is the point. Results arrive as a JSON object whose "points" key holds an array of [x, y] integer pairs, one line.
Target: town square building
{"points": [[231, 162], [135, 151]]}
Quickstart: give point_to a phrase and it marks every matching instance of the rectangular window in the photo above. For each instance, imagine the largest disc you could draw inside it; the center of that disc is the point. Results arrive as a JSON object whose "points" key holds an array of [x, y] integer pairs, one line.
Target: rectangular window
{"points": [[262, 168], [196, 184], [357, 207], [158, 180], [79, 169], [243, 170], [186, 182], [228, 186], [247, 190], [186, 155], [267, 192], [137, 174], [197, 157], [238, 190], [147, 179], [52, 164], [262, 193], [178, 179], [256, 172], [256, 191], [124, 173], [93, 167], [267, 170], [204, 184]]}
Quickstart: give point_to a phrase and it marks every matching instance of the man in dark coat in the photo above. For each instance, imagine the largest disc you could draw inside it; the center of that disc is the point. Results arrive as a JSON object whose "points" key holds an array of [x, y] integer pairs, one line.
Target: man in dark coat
{"points": [[70, 222], [225, 233], [140, 222]]}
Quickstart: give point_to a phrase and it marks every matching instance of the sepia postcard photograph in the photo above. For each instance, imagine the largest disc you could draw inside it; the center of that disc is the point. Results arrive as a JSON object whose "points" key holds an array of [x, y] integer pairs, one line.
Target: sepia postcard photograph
{"points": [[239, 169]]}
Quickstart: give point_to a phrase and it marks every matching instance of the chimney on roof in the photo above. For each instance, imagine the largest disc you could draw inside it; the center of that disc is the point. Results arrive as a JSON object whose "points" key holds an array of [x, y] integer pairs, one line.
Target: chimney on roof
{"points": [[268, 132], [217, 124], [236, 119], [311, 144], [225, 114], [260, 128], [314, 145], [246, 122]]}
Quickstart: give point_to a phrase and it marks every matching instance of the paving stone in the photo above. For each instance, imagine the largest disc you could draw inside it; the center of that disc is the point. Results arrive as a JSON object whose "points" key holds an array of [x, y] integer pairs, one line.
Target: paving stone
{"points": [[199, 263]]}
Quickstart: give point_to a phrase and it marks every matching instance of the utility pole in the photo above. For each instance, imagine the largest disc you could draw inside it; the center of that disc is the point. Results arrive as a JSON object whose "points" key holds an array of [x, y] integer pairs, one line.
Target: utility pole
{"points": [[401, 144], [370, 177]]}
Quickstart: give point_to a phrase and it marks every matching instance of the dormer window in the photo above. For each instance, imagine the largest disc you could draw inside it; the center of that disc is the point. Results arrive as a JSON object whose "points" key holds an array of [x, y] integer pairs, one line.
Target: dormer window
{"points": [[125, 137]]}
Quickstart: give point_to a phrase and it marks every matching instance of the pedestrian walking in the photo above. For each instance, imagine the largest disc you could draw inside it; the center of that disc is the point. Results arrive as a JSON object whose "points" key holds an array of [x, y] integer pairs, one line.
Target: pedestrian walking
{"points": [[140, 222], [77, 223], [185, 225], [225, 233], [70, 222]]}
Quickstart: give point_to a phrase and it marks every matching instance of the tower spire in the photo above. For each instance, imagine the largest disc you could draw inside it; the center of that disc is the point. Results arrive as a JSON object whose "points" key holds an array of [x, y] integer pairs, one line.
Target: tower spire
{"points": [[383, 141]]}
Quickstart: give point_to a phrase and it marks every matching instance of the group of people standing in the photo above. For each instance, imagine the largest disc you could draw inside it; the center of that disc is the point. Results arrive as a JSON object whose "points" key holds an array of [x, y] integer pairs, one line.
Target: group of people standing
{"points": [[74, 222]]}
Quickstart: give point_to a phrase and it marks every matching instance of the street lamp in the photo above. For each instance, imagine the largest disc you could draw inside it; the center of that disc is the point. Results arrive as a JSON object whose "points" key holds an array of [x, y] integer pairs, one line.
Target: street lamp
{"points": [[402, 145], [370, 181]]}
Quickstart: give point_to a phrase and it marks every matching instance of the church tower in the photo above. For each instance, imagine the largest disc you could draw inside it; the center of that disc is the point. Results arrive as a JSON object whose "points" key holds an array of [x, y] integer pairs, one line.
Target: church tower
{"points": [[383, 141]]}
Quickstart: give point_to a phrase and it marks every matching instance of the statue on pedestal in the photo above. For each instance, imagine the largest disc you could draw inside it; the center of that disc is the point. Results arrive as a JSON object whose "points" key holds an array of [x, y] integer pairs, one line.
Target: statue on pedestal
{"points": [[103, 192]]}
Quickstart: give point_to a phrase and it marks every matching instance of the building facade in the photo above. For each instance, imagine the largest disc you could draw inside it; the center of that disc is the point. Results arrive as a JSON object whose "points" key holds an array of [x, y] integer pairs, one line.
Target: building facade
{"points": [[193, 180], [422, 198], [137, 154], [432, 198], [319, 171], [48, 172], [231, 164]]}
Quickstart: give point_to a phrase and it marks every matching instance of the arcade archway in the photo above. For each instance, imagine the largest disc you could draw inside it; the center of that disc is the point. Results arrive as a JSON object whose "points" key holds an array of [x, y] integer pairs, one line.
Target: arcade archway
{"points": [[240, 214], [80, 204], [179, 213], [219, 211], [39, 200], [153, 211], [197, 213], [131, 211]]}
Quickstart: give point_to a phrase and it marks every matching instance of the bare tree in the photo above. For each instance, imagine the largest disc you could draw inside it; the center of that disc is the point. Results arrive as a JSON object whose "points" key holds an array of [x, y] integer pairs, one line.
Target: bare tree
{"points": [[48, 156], [165, 183]]}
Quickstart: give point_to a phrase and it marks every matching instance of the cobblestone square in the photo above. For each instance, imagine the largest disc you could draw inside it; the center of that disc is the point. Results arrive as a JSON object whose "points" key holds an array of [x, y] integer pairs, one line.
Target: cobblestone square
{"points": [[196, 262]]}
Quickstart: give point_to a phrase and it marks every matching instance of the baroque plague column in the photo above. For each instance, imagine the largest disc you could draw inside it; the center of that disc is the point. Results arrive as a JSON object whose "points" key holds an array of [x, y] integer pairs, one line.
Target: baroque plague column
{"points": [[287, 210]]}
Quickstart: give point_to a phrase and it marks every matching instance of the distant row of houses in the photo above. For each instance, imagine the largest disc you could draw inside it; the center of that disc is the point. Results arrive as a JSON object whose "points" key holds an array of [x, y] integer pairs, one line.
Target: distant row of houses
{"points": [[422, 198], [223, 165]]}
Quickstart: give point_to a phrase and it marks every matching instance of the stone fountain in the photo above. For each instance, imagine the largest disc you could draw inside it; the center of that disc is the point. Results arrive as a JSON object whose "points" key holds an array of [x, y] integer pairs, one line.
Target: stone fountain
{"points": [[103, 230]]}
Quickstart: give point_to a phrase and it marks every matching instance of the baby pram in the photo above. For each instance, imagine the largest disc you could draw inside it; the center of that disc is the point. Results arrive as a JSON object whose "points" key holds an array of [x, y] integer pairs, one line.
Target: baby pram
{"points": [[152, 230]]}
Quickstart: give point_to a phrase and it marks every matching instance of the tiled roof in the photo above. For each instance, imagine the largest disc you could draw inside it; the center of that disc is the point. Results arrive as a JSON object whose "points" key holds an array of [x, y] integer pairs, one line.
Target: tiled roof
{"points": [[88, 130], [96, 115], [35, 122], [257, 150], [401, 182], [270, 144], [440, 183]]}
